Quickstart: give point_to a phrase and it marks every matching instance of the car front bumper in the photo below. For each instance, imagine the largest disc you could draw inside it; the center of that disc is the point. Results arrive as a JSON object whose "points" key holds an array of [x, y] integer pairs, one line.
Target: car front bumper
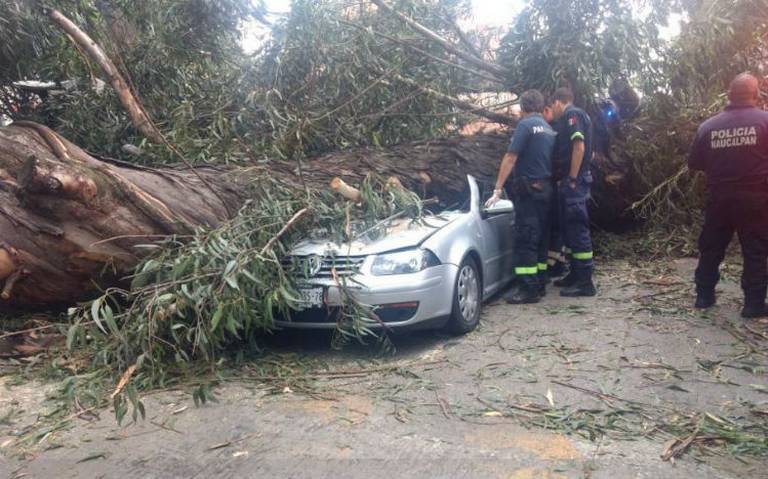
{"points": [[432, 289]]}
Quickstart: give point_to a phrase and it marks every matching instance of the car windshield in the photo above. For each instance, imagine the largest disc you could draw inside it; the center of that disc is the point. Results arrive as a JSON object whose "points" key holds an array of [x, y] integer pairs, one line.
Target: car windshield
{"points": [[485, 187]]}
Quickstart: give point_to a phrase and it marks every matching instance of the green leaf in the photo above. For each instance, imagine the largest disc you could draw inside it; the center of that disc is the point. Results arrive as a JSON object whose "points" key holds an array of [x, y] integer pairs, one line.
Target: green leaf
{"points": [[232, 282], [217, 317], [95, 310], [231, 325], [72, 334], [230, 267], [110, 320]]}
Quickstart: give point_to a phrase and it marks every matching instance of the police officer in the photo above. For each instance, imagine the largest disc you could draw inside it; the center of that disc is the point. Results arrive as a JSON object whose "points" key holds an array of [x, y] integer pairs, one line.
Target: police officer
{"points": [[530, 158], [732, 149], [573, 153]]}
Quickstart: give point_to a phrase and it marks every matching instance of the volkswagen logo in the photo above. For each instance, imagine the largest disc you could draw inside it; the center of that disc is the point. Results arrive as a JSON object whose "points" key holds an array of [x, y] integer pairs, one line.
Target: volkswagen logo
{"points": [[314, 265]]}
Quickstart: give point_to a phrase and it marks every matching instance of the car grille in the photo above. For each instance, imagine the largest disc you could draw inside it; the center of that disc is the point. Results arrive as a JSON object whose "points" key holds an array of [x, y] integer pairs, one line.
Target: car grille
{"points": [[322, 267]]}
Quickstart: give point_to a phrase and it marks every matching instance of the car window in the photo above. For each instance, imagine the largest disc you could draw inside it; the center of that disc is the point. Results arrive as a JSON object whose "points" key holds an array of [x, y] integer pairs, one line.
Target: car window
{"points": [[486, 190]]}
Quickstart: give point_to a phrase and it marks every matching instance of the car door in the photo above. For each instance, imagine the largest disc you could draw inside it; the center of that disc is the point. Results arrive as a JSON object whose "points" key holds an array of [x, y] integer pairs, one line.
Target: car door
{"points": [[505, 227], [497, 232], [502, 228]]}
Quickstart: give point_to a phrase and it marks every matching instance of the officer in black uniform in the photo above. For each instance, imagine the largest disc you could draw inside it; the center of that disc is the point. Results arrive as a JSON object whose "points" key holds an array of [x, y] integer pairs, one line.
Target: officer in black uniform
{"points": [[732, 149], [530, 158], [571, 165]]}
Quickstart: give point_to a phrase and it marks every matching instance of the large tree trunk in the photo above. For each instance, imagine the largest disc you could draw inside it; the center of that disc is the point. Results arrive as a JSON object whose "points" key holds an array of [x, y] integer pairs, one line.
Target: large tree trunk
{"points": [[70, 223], [432, 168], [438, 168]]}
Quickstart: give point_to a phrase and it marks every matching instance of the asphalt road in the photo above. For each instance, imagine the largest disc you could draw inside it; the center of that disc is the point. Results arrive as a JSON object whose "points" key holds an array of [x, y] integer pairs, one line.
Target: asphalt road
{"points": [[563, 389]]}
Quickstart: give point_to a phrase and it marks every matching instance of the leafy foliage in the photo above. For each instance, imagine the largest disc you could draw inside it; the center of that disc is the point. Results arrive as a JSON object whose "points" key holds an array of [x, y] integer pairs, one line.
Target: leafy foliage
{"points": [[721, 38], [332, 75], [707, 55], [219, 291], [584, 44], [329, 78], [183, 59]]}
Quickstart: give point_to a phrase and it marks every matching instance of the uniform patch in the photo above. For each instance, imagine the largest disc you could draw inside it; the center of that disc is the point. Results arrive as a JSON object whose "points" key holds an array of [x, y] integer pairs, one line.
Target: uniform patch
{"points": [[572, 121]]}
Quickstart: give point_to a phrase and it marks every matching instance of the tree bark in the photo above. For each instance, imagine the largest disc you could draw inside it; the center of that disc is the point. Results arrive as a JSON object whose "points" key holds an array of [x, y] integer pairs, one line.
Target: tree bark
{"points": [[431, 168], [70, 223]]}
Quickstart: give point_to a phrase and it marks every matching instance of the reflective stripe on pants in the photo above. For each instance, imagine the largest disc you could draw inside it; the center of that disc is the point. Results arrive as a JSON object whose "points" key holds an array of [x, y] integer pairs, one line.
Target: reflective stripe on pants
{"points": [[532, 211], [574, 222]]}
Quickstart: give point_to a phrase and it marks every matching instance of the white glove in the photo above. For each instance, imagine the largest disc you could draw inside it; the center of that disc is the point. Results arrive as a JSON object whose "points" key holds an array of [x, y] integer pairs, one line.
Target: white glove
{"points": [[493, 199]]}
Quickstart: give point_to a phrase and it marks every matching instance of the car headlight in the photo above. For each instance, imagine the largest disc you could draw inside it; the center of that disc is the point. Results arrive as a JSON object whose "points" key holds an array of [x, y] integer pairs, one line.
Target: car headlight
{"points": [[403, 262]]}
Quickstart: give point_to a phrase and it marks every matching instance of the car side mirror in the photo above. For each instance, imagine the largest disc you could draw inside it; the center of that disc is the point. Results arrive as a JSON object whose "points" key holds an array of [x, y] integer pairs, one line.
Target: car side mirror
{"points": [[502, 207]]}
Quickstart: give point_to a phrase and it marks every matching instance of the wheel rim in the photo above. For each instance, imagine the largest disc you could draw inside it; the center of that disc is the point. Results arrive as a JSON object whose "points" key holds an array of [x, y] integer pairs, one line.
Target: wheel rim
{"points": [[469, 293]]}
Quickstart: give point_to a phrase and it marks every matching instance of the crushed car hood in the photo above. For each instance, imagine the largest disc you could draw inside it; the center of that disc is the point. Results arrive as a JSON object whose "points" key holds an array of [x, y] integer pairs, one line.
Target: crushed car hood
{"points": [[397, 235]]}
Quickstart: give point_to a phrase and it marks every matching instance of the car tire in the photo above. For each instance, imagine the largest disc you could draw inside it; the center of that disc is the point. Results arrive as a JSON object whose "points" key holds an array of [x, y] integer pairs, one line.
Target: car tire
{"points": [[467, 299]]}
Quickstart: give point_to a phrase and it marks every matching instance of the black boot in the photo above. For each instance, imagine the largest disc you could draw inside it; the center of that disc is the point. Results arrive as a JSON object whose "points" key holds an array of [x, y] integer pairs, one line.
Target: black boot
{"points": [[556, 270], [543, 282], [514, 287], [754, 310], [581, 289], [754, 303], [704, 299], [567, 282], [524, 295]]}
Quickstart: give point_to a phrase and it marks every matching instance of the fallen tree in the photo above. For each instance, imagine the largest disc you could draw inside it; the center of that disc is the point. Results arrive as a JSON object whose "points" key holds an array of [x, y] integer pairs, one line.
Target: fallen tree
{"points": [[70, 223]]}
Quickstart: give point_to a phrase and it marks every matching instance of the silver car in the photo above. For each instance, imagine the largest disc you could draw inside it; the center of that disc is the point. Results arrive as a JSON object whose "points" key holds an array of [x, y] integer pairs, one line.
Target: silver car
{"points": [[431, 273]]}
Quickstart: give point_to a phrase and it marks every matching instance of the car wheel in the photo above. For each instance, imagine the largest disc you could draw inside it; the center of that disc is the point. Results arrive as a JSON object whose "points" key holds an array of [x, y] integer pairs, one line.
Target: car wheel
{"points": [[467, 299]]}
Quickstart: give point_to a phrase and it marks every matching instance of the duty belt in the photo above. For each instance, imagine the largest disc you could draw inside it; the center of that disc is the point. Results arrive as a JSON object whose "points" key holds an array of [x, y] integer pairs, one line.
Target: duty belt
{"points": [[523, 185]]}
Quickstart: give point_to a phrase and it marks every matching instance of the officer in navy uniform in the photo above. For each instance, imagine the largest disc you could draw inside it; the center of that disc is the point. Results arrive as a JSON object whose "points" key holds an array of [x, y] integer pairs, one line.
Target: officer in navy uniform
{"points": [[530, 158], [732, 149], [571, 165]]}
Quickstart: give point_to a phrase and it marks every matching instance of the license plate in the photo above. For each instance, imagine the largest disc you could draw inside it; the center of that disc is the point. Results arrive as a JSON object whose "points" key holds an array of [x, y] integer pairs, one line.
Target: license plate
{"points": [[311, 297]]}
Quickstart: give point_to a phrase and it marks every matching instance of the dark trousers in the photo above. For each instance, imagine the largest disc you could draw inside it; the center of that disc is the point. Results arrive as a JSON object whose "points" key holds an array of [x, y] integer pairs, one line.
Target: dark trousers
{"points": [[742, 212], [532, 210], [556, 252], [574, 224]]}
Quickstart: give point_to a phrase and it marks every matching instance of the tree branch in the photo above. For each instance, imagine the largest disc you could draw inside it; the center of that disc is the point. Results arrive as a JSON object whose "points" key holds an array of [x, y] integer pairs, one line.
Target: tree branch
{"points": [[461, 104], [138, 117], [424, 31], [283, 230], [136, 112], [418, 50], [463, 38]]}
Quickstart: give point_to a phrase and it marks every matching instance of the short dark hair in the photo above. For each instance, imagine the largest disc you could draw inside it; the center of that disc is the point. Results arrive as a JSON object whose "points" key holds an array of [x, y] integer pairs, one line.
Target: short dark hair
{"points": [[532, 101], [564, 95]]}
